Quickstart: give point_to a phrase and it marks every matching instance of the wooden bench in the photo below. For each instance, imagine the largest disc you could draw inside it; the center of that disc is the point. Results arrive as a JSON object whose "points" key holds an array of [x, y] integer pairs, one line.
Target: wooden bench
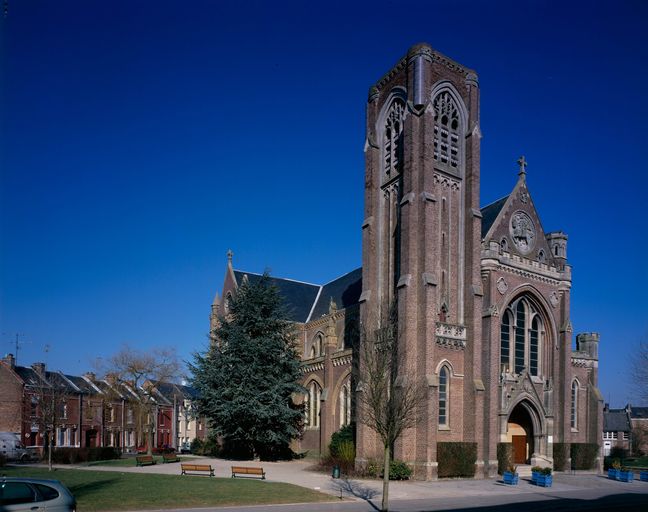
{"points": [[170, 457], [251, 472], [144, 460], [196, 468]]}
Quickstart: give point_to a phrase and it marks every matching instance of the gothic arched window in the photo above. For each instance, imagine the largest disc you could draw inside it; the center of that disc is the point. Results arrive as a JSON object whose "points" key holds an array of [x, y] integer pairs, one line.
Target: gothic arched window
{"points": [[312, 405], [393, 139], [521, 325], [317, 348], [345, 404], [574, 404], [447, 132], [443, 396]]}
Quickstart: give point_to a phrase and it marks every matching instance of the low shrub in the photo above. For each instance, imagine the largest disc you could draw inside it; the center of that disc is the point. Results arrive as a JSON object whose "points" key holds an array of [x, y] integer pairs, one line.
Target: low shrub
{"points": [[342, 437], [584, 455], [399, 470], [3, 460], [560, 456], [456, 459], [617, 452], [77, 455], [196, 446], [504, 457]]}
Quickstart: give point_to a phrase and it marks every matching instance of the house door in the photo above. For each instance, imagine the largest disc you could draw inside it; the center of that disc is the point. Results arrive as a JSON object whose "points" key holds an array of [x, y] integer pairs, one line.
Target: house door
{"points": [[519, 449]]}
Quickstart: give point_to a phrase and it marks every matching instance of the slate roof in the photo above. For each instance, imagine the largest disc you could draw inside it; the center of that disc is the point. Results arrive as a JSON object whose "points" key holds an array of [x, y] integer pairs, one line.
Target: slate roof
{"points": [[305, 301], [82, 384], [29, 376], [298, 297], [345, 291], [639, 413], [616, 420], [490, 213], [168, 390]]}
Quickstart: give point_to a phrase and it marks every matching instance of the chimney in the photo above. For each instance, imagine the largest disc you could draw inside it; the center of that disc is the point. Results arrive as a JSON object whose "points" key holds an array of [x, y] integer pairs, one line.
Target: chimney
{"points": [[39, 368], [90, 376], [10, 360]]}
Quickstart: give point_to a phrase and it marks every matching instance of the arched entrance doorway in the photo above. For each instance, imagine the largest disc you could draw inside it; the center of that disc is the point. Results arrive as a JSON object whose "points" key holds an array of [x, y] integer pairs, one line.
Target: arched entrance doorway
{"points": [[519, 431]]}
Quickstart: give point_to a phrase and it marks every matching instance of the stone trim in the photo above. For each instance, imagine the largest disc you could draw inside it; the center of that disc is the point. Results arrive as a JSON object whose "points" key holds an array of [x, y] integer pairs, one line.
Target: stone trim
{"points": [[404, 280]]}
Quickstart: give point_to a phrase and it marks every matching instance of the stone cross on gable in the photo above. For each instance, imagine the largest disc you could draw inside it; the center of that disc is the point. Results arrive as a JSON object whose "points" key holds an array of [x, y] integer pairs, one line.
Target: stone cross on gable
{"points": [[522, 163], [229, 255]]}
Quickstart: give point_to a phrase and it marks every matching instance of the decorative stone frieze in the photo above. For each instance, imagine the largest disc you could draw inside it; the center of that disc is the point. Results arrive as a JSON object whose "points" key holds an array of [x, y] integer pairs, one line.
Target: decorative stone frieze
{"points": [[449, 335]]}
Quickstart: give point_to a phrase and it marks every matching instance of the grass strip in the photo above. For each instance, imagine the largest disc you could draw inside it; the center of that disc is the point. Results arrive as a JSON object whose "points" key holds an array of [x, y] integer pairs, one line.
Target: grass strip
{"points": [[111, 490]]}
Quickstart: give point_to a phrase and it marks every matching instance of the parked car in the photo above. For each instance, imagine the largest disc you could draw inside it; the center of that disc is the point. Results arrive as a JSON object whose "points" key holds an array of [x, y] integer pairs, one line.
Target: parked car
{"points": [[27, 494], [12, 448]]}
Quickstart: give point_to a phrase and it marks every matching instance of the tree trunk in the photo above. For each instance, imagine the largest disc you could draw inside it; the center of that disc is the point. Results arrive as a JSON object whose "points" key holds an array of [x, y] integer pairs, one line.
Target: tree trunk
{"points": [[385, 496], [149, 441], [49, 455]]}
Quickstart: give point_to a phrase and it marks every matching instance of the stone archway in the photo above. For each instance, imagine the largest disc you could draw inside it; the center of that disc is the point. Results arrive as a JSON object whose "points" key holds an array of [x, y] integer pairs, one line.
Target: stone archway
{"points": [[520, 432]]}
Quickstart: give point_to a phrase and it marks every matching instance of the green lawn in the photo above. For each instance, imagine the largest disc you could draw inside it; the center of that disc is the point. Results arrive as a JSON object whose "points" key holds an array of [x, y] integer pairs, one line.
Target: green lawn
{"points": [[130, 461], [112, 490]]}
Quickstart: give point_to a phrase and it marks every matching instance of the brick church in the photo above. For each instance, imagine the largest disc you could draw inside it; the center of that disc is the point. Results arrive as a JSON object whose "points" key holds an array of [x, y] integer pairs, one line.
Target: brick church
{"points": [[483, 293]]}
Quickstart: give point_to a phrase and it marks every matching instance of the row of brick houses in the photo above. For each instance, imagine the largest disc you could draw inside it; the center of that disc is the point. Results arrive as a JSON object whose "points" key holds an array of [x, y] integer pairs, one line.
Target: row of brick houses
{"points": [[92, 412], [625, 428]]}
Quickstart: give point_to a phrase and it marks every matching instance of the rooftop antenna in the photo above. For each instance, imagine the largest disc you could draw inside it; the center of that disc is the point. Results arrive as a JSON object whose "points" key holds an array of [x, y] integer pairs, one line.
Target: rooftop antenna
{"points": [[17, 343]]}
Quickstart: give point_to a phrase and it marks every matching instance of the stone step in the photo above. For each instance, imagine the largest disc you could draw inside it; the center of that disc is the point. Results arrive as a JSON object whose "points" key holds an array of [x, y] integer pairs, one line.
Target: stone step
{"points": [[524, 470]]}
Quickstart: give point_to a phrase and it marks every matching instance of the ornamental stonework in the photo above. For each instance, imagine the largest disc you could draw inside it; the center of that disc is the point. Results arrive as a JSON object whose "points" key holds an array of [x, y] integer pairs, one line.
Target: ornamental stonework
{"points": [[522, 231]]}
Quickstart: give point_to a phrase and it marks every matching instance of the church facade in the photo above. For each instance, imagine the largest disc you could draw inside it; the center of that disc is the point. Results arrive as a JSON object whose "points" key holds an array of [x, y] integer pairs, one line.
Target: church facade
{"points": [[483, 294]]}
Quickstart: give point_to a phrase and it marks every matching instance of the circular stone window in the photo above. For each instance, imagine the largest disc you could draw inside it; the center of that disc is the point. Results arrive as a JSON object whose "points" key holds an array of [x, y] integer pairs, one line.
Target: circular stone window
{"points": [[523, 232]]}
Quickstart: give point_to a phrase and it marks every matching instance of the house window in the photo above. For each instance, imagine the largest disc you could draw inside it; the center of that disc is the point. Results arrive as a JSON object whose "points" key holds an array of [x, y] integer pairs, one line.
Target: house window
{"points": [[63, 411], [626, 436], [313, 405], [129, 415], [521, 327], [345, 404], [574, 404], [443, 397]]}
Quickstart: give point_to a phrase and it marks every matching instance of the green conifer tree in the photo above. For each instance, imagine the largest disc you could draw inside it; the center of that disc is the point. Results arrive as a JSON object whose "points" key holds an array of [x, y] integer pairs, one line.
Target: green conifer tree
{"points": [[248, 377]]}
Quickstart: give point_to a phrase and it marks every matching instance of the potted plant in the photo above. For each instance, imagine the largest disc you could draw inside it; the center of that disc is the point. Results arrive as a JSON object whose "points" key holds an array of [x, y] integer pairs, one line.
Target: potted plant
{"points": [[511, 476], [625, 475], [643, 476], [613, 472], [535, 471], [544, 479]]}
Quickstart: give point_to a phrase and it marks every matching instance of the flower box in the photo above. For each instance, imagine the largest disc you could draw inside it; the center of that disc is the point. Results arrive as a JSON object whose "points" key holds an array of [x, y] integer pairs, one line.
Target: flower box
{"points": [[613, 474], [643, 476], [544, 480], [534, 476], [510, 478], [625, 476]]}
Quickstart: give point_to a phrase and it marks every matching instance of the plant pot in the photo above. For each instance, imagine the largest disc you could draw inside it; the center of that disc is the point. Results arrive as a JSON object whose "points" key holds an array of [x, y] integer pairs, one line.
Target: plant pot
{"points": [[643, 476], [510, 478], [625, 476], [534, 476], [613, 474], [544, 480]]}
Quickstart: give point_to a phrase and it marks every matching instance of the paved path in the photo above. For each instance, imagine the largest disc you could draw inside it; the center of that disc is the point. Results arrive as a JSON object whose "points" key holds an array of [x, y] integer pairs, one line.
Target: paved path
{"points": [[581, 491]]}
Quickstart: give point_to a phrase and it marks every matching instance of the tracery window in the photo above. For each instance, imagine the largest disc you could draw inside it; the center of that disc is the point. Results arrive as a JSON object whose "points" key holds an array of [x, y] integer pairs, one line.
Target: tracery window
{"points": [[446, 130], [317, 348], [393, 139], [312, 405], [345, 404], [443, 396], [521, 325], [574, 404]]}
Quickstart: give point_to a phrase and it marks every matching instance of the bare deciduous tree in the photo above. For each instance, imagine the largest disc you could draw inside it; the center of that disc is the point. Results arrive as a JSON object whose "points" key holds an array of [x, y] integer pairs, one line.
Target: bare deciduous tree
{"points": [[389, 401], [139, 370], [639, 362]]}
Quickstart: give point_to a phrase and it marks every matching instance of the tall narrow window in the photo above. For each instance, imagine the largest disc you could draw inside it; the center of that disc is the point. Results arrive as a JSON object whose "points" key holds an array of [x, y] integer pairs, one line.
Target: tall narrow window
{"points": [[574, 405], [393, 139], [345, 404], [533, 347], [443, 396], [446, 130], [505, 337], [519, 338], [315, 392]]}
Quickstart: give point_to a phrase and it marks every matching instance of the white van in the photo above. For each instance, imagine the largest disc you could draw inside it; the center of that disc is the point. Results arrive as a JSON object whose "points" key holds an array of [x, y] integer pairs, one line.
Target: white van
{"points": [[12, 448]]}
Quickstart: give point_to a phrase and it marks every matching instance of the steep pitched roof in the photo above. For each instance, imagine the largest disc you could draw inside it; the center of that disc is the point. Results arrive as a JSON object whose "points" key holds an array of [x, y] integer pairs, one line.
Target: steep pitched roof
{"points": [[345, 291], [298, 296], [616, 420], [30, 377], [181, 392], [82, 384], [490, 213], [639, 413]]}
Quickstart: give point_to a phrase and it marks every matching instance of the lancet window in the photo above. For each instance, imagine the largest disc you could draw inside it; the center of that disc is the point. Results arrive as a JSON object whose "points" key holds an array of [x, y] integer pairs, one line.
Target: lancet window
{"points": [[521, 335], [446, 130], [345, 403], [312, 405], [574, 405], [443, 396], [393, 140]]}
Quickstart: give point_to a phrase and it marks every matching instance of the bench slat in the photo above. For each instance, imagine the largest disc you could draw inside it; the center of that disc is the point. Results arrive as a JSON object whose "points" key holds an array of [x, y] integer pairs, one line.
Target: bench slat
{"points": [[245, 470]]}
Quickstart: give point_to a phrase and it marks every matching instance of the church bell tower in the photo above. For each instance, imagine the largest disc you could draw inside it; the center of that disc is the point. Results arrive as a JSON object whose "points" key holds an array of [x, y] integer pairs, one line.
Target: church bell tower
{"points": [[421, 244]]}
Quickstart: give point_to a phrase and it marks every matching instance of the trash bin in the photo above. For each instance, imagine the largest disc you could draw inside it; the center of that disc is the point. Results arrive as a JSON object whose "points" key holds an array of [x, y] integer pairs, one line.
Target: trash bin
{"points": [[336, 471]]}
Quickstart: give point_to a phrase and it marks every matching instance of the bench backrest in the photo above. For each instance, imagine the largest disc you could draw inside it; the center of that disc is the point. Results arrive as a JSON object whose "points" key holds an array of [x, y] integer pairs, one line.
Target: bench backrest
{"points": [[196, 467], [246, 470], [144, 458]]}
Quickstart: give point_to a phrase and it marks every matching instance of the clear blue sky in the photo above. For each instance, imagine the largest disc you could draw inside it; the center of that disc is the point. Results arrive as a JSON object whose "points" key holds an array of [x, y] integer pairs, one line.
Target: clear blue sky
{"points": [[142, 139]]}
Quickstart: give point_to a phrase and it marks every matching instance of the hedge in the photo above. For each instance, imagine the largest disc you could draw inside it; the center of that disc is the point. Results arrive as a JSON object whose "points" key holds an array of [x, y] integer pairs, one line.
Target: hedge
{"points": [[504, 457], [560, 456], [76, 455], [584, 455], [456, 459]]}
